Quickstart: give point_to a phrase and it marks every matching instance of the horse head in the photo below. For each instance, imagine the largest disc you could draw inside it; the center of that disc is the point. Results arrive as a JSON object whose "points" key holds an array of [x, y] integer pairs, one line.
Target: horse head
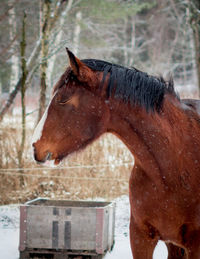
{"points": [[75, 115]]}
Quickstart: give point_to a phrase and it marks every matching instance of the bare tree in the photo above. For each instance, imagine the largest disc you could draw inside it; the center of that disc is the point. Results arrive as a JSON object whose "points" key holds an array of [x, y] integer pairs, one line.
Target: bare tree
{"points": [[23, 89], [45, 13], [56, 38], [194, 19], [12, 19], [77, 31], [33, 59]]}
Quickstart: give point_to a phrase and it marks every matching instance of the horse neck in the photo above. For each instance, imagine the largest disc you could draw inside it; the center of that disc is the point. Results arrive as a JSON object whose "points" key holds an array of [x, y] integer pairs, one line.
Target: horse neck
{"points": [[149, 136]]}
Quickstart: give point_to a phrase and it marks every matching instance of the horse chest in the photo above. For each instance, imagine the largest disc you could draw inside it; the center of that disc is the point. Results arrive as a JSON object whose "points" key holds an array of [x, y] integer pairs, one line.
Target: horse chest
{"points": [[149, 200], [144, 194]]}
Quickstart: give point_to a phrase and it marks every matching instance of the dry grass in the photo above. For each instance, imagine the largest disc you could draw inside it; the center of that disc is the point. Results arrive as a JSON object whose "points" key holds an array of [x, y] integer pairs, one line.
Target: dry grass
{"points": [[103, 180]]}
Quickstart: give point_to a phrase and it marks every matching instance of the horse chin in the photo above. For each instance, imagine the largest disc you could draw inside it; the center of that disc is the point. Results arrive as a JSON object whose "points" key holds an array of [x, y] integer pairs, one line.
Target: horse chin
{"points": [[53, 160], [57, 161], [49, 160], [48, 157]]}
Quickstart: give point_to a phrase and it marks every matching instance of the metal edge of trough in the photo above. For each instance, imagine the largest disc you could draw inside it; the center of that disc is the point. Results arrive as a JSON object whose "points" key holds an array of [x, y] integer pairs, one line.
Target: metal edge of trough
{"points": [[23, 228]]}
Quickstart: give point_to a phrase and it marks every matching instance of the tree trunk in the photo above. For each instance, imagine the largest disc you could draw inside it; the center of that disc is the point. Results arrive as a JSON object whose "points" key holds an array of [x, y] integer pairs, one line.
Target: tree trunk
{"points": [[57, 41], [14, 58], [132, 42], [194, 7], [77, 32], [126, 41], [23, 89], [44, 30]]}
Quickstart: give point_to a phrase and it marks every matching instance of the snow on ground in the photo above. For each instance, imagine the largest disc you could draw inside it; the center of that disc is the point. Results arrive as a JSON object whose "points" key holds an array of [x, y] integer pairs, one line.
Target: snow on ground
{"points": [[9, 233]]}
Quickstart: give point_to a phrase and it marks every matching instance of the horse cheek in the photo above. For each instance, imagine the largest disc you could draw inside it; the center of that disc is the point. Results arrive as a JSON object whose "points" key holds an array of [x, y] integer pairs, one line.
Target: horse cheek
{"points": [[89, 132]]}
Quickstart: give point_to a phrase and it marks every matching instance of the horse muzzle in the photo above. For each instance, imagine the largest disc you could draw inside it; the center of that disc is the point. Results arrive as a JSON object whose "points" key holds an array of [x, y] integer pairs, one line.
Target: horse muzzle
{"points": [[41, 159]]}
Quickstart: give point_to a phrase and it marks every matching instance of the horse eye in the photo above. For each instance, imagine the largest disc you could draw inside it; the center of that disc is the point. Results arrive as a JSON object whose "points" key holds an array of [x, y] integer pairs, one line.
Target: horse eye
{"points": [[64, 102]]}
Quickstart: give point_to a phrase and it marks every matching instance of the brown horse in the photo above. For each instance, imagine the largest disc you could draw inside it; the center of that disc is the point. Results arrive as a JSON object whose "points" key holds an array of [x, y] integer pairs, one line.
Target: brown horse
{"points": [[93, 97]]}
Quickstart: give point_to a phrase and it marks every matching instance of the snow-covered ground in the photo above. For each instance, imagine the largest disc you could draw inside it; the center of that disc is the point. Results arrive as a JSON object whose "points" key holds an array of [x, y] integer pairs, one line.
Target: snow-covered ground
{"points": [[9, 233]]}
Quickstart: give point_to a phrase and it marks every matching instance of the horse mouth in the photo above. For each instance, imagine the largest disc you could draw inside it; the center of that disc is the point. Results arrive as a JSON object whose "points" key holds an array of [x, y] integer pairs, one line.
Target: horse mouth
{"points": [[57, 161], [46, 158], [49, 156]]}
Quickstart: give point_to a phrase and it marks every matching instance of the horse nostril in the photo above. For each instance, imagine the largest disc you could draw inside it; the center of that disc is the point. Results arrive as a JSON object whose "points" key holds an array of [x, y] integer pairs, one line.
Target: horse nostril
{"points": [[33, 145]]}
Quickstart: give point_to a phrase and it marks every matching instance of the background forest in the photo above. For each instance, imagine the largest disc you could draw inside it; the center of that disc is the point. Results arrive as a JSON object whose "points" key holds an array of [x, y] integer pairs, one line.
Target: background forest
{"points": [[160, 37]]}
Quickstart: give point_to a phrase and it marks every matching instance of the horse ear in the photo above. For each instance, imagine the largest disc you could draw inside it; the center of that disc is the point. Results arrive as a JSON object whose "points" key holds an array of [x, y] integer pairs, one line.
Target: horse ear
{"points": [[81, 70], [74, 62]]}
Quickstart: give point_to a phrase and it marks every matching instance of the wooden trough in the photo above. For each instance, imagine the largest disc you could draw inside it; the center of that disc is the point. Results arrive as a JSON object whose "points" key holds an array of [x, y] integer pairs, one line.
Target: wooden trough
{"points": [[62, 229]]}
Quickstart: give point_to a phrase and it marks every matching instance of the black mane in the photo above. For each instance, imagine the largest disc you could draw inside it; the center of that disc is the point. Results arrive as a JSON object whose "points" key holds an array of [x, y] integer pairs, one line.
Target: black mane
{"points": [[132, 85]]}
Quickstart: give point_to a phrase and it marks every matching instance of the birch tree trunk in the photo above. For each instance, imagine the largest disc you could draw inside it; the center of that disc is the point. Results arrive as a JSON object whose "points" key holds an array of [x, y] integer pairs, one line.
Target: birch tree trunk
{"points": [[132, 42], [14, 58], [77, 32], [194, 7], [57, 40], [23, 89], [44, 31], [129, 40], [126, 39]]}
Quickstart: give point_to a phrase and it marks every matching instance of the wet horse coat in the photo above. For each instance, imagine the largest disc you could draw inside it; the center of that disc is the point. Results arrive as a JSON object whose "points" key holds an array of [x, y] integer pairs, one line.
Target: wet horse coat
{"points": [[93, 97]]}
